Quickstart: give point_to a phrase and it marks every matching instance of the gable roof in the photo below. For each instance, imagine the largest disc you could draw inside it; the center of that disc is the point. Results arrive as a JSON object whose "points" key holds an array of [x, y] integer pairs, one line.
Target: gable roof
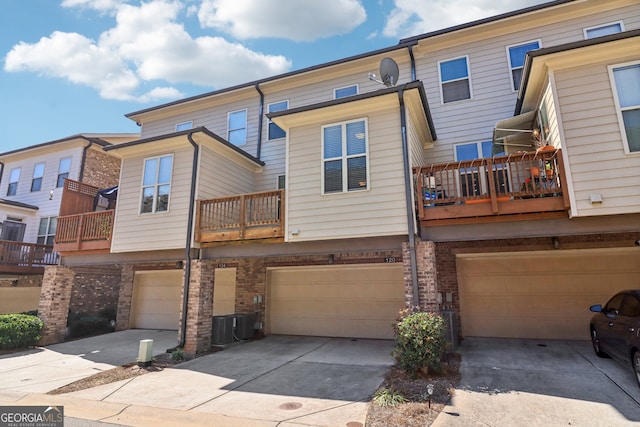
{"points": [[94, 140]]}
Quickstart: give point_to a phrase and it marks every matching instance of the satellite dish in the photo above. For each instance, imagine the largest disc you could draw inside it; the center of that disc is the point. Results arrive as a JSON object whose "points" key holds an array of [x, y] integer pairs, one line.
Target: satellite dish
{"points": [[389, 73]]}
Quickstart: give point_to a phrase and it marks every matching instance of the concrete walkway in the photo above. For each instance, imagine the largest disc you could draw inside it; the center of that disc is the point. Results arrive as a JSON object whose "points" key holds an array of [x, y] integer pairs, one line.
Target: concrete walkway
{"points": [[510, 382], [280, 380]]}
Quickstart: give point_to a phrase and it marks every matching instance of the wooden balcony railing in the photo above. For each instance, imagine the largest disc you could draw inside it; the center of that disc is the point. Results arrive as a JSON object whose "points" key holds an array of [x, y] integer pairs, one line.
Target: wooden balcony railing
{"points": [[84, 232], [492, 188], [242, 217], [19, 257]]}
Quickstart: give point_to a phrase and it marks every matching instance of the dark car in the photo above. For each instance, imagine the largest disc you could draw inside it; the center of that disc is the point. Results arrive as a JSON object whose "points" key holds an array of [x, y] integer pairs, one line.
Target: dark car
{"points": [[615, 329]]}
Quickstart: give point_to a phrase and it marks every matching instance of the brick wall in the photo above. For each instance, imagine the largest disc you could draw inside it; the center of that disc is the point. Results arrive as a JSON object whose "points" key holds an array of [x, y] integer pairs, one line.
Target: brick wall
{"points": [[426, 275], [100, 169], [95, 288], [198, 332], [53, 308]]}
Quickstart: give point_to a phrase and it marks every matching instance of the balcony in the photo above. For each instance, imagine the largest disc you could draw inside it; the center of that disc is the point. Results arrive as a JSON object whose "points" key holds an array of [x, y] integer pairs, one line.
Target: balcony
{"points": [[517, 186], [25, 258], [84, 232], [244, 217]]}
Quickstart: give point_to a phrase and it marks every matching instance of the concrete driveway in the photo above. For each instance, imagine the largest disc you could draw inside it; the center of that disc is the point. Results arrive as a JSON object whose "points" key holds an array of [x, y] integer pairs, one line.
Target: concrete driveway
{"points": [[276, 381], [509, 382]]}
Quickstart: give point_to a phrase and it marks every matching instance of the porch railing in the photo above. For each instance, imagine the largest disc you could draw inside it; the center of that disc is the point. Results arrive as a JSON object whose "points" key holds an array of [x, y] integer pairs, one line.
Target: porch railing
{"points": [[19, 257], [530, 182], [87, 231], [245, 216]]}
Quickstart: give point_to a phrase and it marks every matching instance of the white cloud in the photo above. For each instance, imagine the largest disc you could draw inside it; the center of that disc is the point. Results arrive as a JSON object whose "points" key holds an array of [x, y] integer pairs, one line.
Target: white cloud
{"points": [[410, 17], [146, 45], [298, 21], [101, 5]]}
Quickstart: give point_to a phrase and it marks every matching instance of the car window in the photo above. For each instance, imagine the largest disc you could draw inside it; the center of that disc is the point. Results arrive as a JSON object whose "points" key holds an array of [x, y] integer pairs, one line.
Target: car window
{"points": [[614, 305], [631, 306]]}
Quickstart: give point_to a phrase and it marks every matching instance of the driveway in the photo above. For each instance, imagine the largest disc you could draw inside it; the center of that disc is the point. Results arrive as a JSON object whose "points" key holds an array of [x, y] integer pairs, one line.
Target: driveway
{"points": [[276, 381], [510, 382]]}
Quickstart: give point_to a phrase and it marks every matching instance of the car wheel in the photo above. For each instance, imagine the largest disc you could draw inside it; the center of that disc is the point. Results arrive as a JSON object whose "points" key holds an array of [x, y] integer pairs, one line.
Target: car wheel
{"points": [[596, 344], [636, 365]]}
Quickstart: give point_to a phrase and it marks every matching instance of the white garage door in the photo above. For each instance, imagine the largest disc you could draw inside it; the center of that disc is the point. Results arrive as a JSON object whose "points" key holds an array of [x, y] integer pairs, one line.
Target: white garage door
{"points": [[19, 299], [339, 301], [540, 294], [156, 300]]}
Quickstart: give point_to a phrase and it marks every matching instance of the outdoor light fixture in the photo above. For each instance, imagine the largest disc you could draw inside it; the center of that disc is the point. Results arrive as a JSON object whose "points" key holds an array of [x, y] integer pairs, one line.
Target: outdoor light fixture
{"points": [[556, 243], [51, 194], [430, 392]]}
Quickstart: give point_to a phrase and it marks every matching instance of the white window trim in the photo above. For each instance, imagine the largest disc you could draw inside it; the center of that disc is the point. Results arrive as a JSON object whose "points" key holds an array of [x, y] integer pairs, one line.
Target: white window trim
{"points": [[246, 118], [59, 170], [155, 185], [356, 85], [269, 121], [586, 30], [344, 157], [616, 100], [34, 177], [188, 122], [278, 181], [539, 41], [19, 169], [455, 80]]}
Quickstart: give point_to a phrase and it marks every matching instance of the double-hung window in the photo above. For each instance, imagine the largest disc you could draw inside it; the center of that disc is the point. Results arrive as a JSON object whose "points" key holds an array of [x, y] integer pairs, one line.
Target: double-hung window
{"points": [[47, 230], [603, 30], [275, 132], [516, 55], [343, 92], [63, 171], [156, 184], [344, 157], [626, 82], [455, 83], [237, 127], [14, 177], [38, 174]]}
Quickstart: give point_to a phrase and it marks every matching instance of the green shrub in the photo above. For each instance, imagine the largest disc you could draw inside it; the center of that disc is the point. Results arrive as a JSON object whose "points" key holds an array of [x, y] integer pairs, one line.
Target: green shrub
{"points": [[178, 355], [420, 341], [19, 331], [388, 397]]}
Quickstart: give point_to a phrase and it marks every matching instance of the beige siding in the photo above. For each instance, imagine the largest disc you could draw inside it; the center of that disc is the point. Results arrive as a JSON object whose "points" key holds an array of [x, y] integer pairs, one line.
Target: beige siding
{"points": [[220, 176], [593, 144], [273, 155], [493, 99], [152, 231], [379, 211]]}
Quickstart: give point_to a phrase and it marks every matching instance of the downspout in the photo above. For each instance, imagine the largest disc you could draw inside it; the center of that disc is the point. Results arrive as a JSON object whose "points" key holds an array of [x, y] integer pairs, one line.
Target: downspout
{"points": [[260, 119], [187, 251], [84, 158], [413, 63], [409, 197]]}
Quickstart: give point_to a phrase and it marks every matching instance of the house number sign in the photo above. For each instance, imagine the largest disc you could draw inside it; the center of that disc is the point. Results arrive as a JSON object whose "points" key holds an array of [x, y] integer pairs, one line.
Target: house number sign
{"points": [[391, 259], [222, 265]]}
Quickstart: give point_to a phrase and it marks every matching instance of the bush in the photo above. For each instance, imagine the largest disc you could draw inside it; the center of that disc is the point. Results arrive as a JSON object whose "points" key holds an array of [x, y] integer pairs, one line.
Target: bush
{"points": [[388, 397], [420, 341], [19, 331]]}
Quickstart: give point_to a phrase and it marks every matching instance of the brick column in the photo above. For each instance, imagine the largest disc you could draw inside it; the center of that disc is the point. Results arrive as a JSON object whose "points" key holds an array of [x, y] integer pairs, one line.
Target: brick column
{"points": [[124, 298], [53, 308], [200, 307], [427, 275]]}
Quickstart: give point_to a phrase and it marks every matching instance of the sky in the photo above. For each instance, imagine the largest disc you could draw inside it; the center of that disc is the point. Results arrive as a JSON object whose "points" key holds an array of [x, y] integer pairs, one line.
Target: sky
{"points": [[78, 66]]}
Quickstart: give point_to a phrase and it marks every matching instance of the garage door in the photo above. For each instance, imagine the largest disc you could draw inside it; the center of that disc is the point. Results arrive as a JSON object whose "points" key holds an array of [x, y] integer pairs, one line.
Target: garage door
{"points": [[339, 301], [19, 299], [540, 294], [156, 300]]}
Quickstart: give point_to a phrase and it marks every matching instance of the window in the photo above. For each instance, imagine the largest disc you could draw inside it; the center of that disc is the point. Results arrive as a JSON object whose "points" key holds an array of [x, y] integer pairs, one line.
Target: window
{"points": [[603, 30], [237, 127], [281, 182], [184, 126], [516, 55], [63, 171], [626, 81], [14, 177], [38, 173], [454, 79], [342, 92], [274, 131], [13, 230], [344, 157], [47, 230], [156, 184], [470, 177]]}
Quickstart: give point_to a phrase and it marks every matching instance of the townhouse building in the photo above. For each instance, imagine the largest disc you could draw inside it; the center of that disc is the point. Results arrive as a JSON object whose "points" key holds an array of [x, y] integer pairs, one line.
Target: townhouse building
{"points": [[494, 178]]}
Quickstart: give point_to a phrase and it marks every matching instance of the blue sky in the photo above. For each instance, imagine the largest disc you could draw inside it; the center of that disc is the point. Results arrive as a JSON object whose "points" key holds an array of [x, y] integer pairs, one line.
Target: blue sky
{"points": [[78, 66]]}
